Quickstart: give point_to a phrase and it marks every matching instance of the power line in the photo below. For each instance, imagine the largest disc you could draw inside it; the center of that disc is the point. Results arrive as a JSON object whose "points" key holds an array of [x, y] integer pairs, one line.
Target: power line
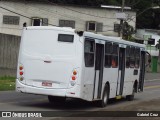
{"points": [[32, 18], [23, 16], [55, 12], [77, 19], [139, 14], [138, 24], [20, 14], [133, 4], [79, 11], [52, 12], [63, 15], [59, 14], [15, 12]]}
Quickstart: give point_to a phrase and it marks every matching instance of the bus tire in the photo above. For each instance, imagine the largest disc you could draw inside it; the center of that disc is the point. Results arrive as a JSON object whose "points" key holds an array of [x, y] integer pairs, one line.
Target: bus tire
{"points": [[103, 103], [131, 97], [56, 100]]}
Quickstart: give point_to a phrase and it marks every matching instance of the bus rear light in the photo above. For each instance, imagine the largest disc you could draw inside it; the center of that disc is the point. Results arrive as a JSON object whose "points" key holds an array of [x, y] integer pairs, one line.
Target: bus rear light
{"points": [[73, 83], [21, 78], [73, 77], [21, 73], [74, 72], [20, 67]]}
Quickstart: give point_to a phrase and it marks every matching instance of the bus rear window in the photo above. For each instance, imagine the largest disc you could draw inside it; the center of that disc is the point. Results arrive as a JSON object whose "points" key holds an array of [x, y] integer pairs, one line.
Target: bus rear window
{"points": [[65, 38]]}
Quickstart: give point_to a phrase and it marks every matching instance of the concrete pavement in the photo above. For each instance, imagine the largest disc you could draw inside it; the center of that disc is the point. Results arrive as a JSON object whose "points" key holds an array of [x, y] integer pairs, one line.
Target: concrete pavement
{"points": [[151, 76]]}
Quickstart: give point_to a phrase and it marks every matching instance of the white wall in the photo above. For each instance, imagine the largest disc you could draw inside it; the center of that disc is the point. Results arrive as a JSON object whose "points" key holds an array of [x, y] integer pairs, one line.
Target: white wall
{"points": [[141, 32], [54, 13]]}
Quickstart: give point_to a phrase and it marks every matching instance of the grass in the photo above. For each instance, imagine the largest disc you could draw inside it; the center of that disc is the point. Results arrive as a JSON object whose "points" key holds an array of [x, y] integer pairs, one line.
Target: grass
{"points": [[7, 83]]}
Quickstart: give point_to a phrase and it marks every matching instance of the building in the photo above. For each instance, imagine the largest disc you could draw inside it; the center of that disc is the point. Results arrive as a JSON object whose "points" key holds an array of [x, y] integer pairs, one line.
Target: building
{"points": [[34, 13], [153, 35], [14, 14]]}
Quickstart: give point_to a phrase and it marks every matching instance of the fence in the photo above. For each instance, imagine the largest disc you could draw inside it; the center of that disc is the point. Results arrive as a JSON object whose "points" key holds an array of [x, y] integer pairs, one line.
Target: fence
{"points": [[9, 48]]}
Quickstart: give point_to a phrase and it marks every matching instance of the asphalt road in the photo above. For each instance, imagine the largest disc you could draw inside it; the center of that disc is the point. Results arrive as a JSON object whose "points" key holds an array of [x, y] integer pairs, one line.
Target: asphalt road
{"points": [[14, 101], [11, 100]]}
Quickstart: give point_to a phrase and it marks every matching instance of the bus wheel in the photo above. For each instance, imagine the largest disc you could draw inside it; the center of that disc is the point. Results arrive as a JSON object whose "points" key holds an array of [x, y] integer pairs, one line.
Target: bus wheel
{"points": [[104, 101], [56, 100], [131, 97]]}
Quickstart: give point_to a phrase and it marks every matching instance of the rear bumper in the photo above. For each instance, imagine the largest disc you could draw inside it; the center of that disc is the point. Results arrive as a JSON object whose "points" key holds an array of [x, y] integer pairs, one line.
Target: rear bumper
{"points": [[71, 92]]}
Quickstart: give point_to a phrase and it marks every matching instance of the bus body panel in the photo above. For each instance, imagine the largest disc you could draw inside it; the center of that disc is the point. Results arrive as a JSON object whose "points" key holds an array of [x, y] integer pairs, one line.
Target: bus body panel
{"points": [[130, 79], [89, 74], [20, 87], [111, 75], [48, 65], [43, 60]]}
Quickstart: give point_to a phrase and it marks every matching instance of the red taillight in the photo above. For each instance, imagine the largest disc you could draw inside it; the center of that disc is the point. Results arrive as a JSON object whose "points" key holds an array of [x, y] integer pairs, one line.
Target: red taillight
{"points": [[73, 77], [20, 67], [21, 73], [74, 72]]}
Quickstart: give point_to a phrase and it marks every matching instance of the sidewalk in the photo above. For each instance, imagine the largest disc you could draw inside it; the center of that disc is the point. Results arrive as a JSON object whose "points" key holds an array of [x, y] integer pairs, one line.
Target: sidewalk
{"points": [[151, 76]]}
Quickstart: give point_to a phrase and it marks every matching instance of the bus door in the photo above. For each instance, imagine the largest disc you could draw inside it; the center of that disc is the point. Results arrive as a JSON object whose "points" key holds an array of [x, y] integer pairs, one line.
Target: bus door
{"points": [[99, 63], [120, 82], [142, 71], [89, 71]]}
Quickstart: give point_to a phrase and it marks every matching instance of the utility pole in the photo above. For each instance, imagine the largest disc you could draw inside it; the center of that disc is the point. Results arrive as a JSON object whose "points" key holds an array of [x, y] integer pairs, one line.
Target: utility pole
{"points": [[121, 21], [159, 54]]}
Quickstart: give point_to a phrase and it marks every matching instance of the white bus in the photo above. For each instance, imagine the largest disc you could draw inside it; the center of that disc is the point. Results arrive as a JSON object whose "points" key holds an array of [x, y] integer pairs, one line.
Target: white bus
{"points": [[63, 63]]}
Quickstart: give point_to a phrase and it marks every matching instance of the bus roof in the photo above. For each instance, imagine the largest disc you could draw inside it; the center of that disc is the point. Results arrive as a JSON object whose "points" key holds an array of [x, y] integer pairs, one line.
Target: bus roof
{"points": [[112, 39], [68, 29], [86, 34]]}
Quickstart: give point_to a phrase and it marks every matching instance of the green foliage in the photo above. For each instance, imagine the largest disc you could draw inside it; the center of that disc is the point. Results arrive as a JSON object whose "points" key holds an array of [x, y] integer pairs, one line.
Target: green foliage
{"points": [[7, 83], [128, 30], [7, 78]]}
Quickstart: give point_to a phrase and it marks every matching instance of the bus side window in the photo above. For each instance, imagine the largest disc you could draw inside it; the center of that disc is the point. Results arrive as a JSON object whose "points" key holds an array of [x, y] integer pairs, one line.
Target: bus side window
{"points": [[137, 57], [115, 55], [132, 57], [127, 56], [89, 47], [108, 54]]}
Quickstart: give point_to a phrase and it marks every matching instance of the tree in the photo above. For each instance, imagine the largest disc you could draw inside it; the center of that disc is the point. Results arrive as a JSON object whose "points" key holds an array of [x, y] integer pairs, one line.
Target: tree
{"points": [[128, 30]]}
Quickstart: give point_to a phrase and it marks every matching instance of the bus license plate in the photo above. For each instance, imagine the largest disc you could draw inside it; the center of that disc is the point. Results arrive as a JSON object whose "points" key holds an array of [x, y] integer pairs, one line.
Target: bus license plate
{"points": [[47, 84]]}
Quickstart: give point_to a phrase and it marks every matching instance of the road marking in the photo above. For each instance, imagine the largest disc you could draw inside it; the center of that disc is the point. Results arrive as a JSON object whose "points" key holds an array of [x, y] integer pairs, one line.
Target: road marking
{"points": [[150, 87]]}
